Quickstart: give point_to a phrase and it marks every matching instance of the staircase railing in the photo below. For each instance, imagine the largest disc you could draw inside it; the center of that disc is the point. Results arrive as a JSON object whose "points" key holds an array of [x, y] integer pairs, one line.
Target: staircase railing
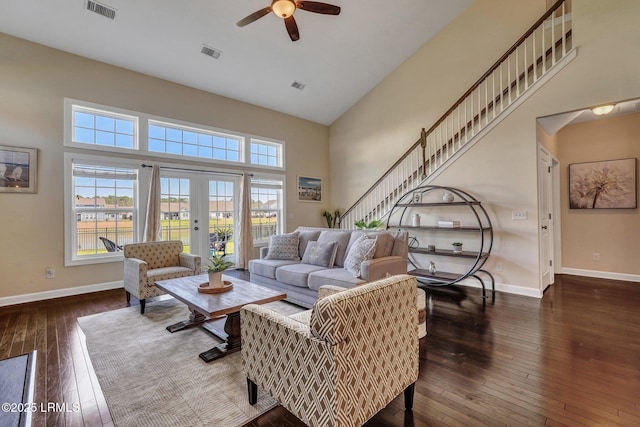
{"points": [[488, 100]]}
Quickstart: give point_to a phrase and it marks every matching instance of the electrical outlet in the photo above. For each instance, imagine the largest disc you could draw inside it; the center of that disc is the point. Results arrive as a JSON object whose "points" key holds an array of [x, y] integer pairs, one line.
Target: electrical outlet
{"points": [[50, 273], [519, 215], [596, 256]]}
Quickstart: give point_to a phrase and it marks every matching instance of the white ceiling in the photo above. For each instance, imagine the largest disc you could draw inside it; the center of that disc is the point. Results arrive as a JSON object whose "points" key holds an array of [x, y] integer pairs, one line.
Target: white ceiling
{"points": [[338, 58], [555, 122]]}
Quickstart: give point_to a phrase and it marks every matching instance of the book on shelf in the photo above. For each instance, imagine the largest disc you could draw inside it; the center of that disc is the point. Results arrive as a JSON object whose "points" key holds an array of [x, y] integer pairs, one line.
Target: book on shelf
{"points": [[449, 224]]}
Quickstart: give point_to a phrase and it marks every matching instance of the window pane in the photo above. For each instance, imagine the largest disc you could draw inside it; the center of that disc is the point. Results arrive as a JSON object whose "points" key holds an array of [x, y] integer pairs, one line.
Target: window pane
{"points": [[265, 153], [105, 123], [156, 132], [266, 208], [193, 142], [108, 129], [104, 207], [83, 119], [83, 135]]}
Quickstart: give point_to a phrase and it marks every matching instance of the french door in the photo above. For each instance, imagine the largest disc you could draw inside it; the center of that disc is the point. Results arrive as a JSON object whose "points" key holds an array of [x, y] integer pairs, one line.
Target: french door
{"points": [[201, 210]]}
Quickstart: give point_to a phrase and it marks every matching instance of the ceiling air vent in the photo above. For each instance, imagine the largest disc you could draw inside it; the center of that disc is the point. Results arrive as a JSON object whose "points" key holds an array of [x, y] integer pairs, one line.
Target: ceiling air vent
{"points": [[209, 51], [101, 9], [298, 85]]}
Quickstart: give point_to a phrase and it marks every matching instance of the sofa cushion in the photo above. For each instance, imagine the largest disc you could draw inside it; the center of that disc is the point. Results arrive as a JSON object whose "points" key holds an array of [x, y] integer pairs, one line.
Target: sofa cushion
{"points": [[362, 249], [400, 244], [296, 274], [384, 245], [337, 276], [284, 246], [322, 254], [267, 267], [305, 238], [340, 237]]}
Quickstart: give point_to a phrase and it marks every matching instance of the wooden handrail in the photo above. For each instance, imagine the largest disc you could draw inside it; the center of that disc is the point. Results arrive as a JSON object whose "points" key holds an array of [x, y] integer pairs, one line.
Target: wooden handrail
{"points": [[424, 134]]}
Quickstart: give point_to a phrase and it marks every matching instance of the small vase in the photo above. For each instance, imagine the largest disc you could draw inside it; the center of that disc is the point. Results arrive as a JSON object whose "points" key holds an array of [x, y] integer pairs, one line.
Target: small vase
{"points": [[215, 279]]}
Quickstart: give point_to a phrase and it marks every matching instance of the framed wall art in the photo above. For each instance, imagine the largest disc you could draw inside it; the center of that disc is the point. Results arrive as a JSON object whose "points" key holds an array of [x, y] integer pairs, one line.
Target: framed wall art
{"points": [[309, 189], [609, 184], [18, 169]]}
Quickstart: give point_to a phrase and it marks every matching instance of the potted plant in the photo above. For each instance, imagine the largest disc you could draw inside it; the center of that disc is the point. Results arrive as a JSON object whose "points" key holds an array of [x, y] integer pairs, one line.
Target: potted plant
{"points": [[457, 247], [215, 266], [363, 225]]}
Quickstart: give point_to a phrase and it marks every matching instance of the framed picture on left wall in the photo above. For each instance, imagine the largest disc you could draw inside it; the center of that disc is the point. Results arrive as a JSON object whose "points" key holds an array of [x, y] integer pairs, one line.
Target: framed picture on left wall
{"points": [[18, 169]]}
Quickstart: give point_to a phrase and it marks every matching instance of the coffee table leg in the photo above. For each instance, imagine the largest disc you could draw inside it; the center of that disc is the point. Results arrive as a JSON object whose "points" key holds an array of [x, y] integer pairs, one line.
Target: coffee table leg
{"points": [[231, 345], [195, 319]]}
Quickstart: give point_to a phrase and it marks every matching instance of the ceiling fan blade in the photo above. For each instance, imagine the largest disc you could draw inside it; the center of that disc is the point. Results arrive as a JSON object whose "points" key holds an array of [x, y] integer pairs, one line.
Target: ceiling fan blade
{"points": [[318, 7], [292, 28], [253, 17]]}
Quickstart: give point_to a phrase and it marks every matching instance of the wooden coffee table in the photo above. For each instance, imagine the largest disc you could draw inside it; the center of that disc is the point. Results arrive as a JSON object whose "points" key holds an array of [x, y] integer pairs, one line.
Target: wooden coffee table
{"points": [[219, 314]]}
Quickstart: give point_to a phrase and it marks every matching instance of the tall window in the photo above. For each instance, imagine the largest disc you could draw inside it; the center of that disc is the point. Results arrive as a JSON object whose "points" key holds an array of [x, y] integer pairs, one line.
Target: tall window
{"points": [[266, 208], [104, 208]]}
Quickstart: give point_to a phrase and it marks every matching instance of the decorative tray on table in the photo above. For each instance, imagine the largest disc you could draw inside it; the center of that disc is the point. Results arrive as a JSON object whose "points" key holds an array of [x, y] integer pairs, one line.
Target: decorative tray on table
{"points": [[205, 288]]}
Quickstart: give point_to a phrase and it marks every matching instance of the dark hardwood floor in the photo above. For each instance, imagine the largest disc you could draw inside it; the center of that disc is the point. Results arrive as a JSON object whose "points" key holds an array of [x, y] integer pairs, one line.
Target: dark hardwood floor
{"points": [[572, 358]]}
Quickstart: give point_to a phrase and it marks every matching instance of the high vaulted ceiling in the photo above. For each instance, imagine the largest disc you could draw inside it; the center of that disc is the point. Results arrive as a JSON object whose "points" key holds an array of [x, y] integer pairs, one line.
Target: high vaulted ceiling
{"points": [[338, 58]]}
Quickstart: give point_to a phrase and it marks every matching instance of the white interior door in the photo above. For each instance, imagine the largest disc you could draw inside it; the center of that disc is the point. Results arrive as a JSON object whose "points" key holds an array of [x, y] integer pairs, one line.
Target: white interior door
{"points": [[545, 203]]}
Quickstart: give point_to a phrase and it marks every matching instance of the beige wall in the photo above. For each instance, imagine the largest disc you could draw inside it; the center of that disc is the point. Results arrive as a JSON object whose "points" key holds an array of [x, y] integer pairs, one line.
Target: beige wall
{"points": [[34, 80], [612, 233], [501, 169]]}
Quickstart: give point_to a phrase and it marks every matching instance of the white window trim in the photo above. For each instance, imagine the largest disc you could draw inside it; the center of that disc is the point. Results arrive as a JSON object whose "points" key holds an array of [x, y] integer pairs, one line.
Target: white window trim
{"points": [[69, 219], [141, 137], [282, 223]]}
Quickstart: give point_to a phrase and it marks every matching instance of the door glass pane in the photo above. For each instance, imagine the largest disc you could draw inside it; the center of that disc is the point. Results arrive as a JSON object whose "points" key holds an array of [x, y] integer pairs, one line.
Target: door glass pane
{"points": [[175, 210], [221, 217]]}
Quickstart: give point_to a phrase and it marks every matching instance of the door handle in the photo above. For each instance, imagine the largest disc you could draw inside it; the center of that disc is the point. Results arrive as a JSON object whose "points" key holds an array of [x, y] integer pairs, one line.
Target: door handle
{"points": [[544, 227], [196, 228]]}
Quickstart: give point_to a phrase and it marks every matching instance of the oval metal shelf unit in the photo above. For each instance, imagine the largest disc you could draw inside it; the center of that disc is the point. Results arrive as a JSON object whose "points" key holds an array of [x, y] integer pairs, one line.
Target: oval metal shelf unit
{"points": [[477, 230]]}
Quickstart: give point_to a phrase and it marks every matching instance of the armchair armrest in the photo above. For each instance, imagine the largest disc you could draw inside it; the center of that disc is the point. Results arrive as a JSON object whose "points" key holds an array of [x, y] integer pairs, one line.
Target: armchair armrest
{"points": [[190, 261], [134, 267], [264, 250], [378, 268], [272, 343]]}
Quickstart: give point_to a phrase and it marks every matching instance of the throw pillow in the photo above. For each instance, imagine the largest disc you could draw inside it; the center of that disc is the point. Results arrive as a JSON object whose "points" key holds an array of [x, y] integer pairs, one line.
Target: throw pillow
{"points": [[322, 254], [283, 247], [362, 249]]}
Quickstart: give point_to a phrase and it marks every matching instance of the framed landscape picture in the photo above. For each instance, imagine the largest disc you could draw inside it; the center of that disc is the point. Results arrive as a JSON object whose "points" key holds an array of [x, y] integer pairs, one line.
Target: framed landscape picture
{"points": [[18, 167], [609, 184], [309, 189]]}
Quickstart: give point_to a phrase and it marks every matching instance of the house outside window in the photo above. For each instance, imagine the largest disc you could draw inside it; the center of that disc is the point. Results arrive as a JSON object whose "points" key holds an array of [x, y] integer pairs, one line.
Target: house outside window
{"points": [[267, 207], [104, 208]]}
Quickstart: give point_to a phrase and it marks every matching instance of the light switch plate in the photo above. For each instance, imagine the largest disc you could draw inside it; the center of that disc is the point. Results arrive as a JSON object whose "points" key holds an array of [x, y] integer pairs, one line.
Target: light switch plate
{"points": [[519, 215]]}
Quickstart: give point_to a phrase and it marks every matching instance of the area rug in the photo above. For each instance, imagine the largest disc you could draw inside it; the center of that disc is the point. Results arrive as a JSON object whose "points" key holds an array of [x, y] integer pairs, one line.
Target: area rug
{"points": [[151, 377]]}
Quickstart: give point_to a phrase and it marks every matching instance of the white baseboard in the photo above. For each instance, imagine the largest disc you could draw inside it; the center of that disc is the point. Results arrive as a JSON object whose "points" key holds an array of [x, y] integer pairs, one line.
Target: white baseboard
{"points": [[602, 274], [57, 293], [504, 287]]}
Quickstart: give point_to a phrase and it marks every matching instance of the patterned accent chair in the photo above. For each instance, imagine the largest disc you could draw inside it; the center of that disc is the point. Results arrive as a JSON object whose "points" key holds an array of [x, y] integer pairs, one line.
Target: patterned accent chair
{"points": [[147, 263], [343, 361]]}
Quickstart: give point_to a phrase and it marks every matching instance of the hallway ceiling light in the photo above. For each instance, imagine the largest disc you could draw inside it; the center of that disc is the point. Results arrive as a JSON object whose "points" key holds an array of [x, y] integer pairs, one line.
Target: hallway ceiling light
{"points": [[602, 110]]}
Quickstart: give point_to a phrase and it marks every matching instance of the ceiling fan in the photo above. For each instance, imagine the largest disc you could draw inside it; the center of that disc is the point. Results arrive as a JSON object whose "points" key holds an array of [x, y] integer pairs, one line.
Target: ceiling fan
{"points": [[285, 9]]}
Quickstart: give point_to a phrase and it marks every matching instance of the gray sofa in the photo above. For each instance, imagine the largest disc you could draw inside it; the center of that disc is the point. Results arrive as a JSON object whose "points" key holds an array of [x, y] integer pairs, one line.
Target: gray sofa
{"points": [[300, 276]]}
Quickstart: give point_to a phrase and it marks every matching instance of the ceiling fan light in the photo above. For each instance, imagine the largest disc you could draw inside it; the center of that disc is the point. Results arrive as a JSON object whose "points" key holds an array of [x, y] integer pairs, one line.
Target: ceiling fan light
{"points": [[283, 8], [602, 110]]}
